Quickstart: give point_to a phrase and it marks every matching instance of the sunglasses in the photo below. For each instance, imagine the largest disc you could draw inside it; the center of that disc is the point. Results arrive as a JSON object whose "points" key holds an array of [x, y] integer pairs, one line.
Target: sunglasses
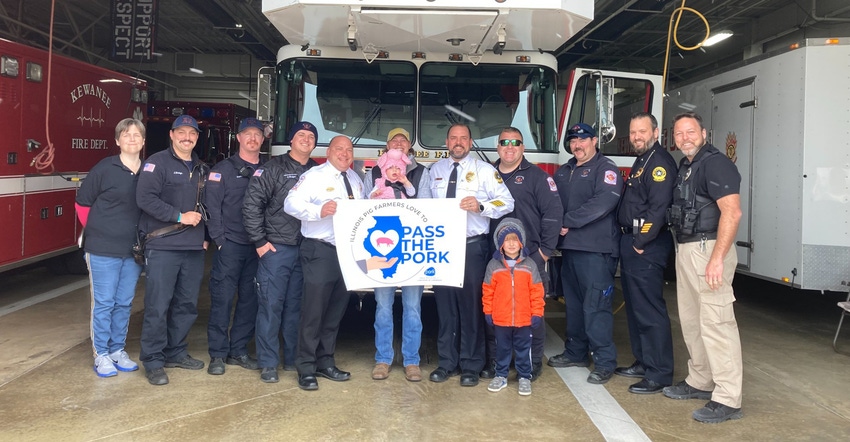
{"points": [[515, 143]]}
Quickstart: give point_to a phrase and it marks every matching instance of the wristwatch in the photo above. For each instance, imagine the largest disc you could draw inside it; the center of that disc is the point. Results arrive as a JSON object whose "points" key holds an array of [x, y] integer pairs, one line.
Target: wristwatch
{"points": [[480, 207]]}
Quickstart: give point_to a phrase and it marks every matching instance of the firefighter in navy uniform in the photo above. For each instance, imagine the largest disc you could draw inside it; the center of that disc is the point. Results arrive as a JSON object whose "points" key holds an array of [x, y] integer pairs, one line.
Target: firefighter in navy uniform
{"points": [[705, 214], [589, 185], [235, 261], [644, 249], [170, 193]]}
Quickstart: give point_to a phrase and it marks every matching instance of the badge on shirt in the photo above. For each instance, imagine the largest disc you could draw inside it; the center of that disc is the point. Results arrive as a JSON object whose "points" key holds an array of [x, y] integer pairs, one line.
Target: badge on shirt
{"points": [[498, 177], [519, 179], [637, 173], [610, 177], [659, 174], [215, 176], [552, 186], [149, 167], [471, 176]]}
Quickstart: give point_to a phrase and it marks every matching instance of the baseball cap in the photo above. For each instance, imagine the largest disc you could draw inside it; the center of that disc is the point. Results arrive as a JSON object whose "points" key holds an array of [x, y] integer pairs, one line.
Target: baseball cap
{"points": [[185, 120], [303, 125], [250, 122], [581, 130], [398, 131]]}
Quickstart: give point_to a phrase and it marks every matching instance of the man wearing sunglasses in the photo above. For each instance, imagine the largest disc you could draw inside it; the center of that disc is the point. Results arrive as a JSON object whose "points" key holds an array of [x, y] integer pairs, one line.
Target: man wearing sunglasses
{"points": [[538, 206], [589, 186]]}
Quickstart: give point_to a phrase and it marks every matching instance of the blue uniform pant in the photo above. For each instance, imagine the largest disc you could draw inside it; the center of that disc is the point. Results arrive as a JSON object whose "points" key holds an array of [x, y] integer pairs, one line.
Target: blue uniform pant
{"points": [[173, 279], [280, 286], [588, 282], [233, 270], [411, 324], [113, 286], [510, 340], [642, 276], [460, 336]]}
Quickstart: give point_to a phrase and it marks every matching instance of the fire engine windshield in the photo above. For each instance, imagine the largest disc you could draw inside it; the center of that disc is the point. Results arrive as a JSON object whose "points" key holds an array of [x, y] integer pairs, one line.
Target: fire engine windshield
{"points": [[496, 96], [346, 97], [364, 101]]}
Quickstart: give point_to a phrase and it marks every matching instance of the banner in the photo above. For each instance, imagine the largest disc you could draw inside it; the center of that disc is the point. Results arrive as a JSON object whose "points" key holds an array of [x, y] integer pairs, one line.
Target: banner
{"points": [[403, 242], [133, 30]]}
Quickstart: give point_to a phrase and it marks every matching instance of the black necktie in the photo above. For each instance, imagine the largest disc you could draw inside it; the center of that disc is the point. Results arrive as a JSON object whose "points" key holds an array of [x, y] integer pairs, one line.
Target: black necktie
{"points": [[450, 191], [347, 186]]}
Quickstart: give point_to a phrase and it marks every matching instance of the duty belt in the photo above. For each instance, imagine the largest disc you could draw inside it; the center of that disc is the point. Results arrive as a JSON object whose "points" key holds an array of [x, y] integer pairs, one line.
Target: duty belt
{"points": [[682, 238]]}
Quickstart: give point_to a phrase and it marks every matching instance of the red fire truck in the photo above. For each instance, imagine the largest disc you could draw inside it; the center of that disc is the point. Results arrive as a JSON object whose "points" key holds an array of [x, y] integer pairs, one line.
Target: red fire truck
{"points": [[48, 147], [218, 122]]}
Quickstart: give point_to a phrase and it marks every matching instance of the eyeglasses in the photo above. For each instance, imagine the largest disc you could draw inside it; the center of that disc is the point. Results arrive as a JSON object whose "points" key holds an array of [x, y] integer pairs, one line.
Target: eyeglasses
{"points": [[515, 143]]}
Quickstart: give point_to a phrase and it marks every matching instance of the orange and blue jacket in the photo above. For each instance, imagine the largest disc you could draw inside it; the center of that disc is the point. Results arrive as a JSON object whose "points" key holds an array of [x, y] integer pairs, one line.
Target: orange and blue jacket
{"points": [[512, 295]]}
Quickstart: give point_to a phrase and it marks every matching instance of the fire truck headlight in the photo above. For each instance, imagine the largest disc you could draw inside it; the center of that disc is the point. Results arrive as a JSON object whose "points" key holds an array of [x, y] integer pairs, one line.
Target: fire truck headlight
{"points": [[8, 66], [33, 72]]}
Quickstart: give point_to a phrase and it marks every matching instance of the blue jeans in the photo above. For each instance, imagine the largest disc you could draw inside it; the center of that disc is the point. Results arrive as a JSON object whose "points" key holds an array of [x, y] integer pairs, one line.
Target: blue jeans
{"points": [[411, 334], [113, 286], [280, 284]]}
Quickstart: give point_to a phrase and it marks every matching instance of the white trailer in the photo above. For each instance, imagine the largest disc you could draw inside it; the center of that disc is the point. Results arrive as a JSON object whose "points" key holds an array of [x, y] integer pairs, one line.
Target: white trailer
{"points": [[784, 119]]}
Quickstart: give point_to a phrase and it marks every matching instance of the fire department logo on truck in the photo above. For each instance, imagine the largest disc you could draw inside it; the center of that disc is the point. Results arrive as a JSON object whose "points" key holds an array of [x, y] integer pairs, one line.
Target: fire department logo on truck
{"points": [[732, 146]]}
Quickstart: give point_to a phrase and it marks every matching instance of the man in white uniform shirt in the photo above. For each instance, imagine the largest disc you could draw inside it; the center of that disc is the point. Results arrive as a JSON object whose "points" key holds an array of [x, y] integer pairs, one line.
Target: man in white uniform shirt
{"points": [[477, 187], [313, 200]]}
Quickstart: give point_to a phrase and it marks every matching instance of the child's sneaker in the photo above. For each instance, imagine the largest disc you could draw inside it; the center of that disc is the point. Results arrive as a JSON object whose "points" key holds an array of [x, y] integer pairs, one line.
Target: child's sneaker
{"points": [[524, 387], [104, 367], [123, 362], [497, 384]]}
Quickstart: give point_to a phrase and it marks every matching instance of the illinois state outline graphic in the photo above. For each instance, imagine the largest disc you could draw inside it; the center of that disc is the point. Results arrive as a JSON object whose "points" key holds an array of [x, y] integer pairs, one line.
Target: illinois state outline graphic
{"points": [[385, 239]]}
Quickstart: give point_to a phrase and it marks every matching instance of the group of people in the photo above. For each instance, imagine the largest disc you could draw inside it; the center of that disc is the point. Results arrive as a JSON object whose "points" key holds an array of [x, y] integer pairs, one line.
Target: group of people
{"points": [[275, 257]]}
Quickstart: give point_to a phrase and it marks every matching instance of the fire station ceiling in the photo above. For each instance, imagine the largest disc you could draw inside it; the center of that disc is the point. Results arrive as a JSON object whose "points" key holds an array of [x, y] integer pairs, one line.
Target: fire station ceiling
{"points": [[625, 34]]}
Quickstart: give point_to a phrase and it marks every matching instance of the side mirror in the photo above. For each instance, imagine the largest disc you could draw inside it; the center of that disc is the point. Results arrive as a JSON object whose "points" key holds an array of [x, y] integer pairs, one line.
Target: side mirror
{"points": [[605, 130]]}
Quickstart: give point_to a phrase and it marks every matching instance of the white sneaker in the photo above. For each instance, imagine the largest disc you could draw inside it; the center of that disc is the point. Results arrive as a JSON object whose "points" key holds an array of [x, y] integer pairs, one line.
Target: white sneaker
{"points": [[524, 387], [104, 367], [497, 384], [123, 362]]}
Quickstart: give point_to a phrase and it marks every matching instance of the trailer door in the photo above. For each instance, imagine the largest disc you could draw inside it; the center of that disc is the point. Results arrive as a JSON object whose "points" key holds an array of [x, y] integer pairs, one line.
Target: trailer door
{"points": [[732, 114]]}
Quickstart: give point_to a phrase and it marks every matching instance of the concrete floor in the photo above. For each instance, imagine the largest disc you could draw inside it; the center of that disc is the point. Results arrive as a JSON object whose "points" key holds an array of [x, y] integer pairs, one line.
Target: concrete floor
{"points": [[795, 386]]}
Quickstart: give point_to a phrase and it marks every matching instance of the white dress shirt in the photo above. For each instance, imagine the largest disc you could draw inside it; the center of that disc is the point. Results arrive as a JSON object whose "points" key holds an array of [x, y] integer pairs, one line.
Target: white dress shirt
{"points": [[474, 178], [316, 187]]}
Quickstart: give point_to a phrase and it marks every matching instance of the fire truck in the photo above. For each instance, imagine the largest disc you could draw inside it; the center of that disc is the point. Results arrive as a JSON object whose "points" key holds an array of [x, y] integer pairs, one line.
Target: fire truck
{"points": [[782, 119], [218, 122], [360, 68], [50, 145]]}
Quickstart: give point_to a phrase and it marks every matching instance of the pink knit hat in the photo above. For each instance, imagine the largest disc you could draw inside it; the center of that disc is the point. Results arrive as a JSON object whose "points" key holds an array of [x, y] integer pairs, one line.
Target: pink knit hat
{"points": [[393, 157]]}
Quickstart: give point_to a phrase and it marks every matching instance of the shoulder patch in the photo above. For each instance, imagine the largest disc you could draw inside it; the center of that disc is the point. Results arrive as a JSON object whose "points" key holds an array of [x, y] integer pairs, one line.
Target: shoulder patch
{"points": [[149, 167], [659, 174], [215, 176], [497, 176], [258, 172], [552, 186], [610, 177], [300, 180]]}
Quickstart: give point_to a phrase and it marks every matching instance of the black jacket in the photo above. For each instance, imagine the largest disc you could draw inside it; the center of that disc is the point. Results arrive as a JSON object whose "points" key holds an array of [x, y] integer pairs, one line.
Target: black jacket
{"points": [[224, 195], [647, 195], [262, 211]]}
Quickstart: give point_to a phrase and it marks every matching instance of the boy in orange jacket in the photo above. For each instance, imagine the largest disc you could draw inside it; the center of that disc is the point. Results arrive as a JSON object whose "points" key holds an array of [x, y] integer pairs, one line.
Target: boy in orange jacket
{"points": [[513, 303]]}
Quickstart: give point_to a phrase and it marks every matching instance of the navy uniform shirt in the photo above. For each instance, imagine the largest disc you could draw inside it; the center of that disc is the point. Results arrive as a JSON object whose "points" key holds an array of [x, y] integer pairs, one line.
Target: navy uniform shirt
{"points": [[536, 204], [223, 195], [112, 226], [589, 194], [647, 195]]}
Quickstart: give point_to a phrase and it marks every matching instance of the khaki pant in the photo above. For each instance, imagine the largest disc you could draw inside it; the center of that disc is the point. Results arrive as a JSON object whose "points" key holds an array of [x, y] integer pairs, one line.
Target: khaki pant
{"points": [[708, 324]]}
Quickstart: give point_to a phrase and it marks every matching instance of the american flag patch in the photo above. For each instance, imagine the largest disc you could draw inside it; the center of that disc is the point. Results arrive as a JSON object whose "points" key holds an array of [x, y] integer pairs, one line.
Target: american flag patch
{"points": [[149, 167], [258, 172], [215, 176]]}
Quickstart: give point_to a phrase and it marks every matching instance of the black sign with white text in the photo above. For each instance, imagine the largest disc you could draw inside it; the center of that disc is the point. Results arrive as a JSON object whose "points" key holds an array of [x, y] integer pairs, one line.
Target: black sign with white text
{"points": [[133, 30]]}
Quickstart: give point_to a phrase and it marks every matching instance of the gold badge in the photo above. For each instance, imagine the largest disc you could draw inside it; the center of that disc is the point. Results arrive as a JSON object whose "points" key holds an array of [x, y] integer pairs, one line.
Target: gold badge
{"points": [[470, 176], [498, 177], [638, 173], [659, 174]]}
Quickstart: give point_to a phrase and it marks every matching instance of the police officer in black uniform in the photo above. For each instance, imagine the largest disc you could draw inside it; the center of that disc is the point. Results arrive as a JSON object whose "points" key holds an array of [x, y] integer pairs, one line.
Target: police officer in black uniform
{"points": [[235, 261], [645, 246]]}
